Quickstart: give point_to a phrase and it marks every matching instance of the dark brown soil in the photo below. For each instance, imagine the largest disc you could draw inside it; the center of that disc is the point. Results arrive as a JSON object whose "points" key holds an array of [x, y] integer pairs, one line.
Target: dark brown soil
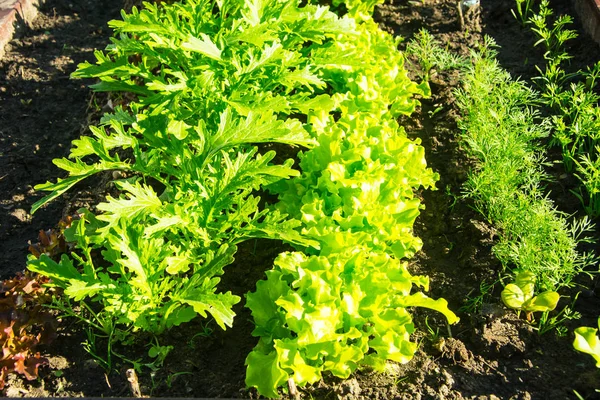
{"points": [[42, 111], [490, 354]]}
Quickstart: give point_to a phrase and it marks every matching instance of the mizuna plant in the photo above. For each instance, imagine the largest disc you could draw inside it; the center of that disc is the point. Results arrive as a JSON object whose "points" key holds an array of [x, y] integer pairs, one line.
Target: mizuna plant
{"points": [[209, 86]]}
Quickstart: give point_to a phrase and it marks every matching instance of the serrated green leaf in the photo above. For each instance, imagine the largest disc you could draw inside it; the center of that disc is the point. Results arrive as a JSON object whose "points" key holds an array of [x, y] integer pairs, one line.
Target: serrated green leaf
{"points": [[140, 199], [124, 240], [106, 68], [131, 25], [111, 85], [257, 129], [204, 46], [180, 316], [61, 186], [252, 11], [86, 145], [78, 290], [177, 264], [166, 87], [219, 305], [179, 129], [78, 171], [119, 116], [61, 273], [164, 223], [303, 77]]}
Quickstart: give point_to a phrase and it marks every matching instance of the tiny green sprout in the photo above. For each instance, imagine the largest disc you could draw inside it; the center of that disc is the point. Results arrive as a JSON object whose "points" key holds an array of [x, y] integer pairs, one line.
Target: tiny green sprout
{"points": [[586, 341], [434, 335], [159, 353], [520, 295]]}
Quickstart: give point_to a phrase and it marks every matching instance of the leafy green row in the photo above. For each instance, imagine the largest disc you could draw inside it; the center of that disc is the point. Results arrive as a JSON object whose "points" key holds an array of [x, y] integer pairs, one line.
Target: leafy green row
{"points": [[573, 101], [346, 305], [502, 130], [357, 186], [355, 197], [207, 88]]}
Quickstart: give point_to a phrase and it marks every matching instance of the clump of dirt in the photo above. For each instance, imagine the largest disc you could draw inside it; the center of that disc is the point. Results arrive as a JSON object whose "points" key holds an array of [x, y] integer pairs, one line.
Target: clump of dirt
{"points": [[491, 353]]}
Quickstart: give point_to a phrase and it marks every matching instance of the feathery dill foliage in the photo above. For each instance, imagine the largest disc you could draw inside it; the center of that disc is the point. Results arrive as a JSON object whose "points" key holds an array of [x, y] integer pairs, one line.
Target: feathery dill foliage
{"points": [[427, 52], [501, 130], [573, 101]]}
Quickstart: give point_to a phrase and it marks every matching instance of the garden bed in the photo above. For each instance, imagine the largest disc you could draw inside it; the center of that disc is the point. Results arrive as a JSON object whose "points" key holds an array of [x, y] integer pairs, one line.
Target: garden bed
{"points": [[491, 353]]}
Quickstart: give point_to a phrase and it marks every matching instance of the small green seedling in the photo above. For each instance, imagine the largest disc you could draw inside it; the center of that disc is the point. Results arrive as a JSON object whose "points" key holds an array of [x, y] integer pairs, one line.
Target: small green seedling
{"points": [[524, 9], [159, 353], [586, 341], [520, 295]]}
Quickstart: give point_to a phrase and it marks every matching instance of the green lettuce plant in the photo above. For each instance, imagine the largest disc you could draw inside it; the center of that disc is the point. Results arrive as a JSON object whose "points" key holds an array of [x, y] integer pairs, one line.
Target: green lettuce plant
{"points": [[520, 295], [355, 198], [345, 305], [336, 313], [357, 186]]}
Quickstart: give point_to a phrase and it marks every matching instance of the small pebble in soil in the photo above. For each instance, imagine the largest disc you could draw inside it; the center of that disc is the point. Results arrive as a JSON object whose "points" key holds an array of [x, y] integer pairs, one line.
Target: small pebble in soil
{"points": [[21, 215]]}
